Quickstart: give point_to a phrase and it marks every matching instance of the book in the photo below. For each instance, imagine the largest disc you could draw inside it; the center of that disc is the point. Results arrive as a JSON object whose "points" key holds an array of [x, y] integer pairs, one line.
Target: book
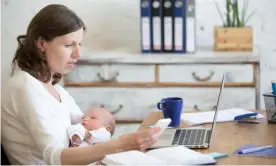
{"points": [[177, 155]]}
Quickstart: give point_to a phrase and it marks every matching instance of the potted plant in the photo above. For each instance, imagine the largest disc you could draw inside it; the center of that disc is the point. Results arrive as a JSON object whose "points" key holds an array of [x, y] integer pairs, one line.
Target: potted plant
{"points": [[234, 35]]}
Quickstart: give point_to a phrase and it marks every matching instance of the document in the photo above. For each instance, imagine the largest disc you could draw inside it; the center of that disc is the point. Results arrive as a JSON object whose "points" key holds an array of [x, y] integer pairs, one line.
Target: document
{"points": [[178, 155], [208, 117]]}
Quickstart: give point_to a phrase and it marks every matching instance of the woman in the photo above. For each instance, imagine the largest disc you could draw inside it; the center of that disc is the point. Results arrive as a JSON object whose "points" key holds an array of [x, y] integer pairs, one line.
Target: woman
{"points": [[36, 110]]}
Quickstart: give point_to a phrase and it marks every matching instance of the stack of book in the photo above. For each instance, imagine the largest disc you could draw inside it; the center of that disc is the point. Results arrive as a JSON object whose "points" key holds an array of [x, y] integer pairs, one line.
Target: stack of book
{"points": [[168, 26]]}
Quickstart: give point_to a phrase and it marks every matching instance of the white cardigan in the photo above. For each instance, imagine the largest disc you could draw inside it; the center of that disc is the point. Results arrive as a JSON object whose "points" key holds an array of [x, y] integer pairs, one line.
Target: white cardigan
{"points": [[34, 123]]}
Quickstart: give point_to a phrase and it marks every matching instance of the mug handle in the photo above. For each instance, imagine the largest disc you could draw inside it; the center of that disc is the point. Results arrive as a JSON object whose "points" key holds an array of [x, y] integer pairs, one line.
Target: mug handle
{"points": [[161, 105]]}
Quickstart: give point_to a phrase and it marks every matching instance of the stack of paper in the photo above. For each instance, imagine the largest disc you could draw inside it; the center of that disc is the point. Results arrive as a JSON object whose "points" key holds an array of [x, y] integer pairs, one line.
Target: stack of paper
{"points": [[208, 117], [179, 155]]}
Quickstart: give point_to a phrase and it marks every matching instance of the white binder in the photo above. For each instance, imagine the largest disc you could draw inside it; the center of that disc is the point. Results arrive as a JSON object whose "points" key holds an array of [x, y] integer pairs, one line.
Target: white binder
{"points": [[190, 26]]}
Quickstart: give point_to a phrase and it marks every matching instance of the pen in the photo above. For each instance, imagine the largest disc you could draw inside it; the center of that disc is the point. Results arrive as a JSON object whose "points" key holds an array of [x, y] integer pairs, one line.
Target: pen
{"points": [[251, 150]]}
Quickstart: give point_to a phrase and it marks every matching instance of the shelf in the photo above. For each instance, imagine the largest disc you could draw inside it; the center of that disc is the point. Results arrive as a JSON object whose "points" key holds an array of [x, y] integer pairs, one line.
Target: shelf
{"points": [[155, 85], [200, 57]]}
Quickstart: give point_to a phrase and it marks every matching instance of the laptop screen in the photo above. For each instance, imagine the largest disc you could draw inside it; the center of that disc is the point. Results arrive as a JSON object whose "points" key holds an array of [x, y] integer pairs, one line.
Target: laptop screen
{"points": [[216, 111]]}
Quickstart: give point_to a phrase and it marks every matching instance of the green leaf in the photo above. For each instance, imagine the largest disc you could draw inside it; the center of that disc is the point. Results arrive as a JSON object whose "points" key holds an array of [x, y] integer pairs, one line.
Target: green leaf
{"points": [[228, 18], [250, 15], [244, 10], [220, 13], [238, 15], [234, 13], [233, 17]]}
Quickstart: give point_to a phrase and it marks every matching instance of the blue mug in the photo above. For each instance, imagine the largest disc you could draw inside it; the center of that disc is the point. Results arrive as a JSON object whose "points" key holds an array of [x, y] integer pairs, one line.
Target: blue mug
{"points": [[273, 84], [171, 108]]}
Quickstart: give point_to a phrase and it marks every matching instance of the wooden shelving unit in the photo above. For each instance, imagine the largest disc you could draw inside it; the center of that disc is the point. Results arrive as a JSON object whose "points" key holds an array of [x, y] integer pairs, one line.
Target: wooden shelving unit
{"points": [[154, 84], [202, 58]]}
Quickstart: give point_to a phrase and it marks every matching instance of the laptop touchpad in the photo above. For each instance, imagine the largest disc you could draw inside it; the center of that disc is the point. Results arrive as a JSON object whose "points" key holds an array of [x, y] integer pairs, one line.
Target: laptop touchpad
{"points": [[167, 135]]}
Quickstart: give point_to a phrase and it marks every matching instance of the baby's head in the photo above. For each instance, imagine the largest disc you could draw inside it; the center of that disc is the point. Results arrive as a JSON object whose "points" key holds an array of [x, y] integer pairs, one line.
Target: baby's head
{"points": [[98, 117]]}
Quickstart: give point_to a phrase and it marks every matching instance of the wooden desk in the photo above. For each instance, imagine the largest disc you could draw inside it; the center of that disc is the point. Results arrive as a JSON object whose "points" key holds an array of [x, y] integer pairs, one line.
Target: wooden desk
{"points": [[229, 136]]}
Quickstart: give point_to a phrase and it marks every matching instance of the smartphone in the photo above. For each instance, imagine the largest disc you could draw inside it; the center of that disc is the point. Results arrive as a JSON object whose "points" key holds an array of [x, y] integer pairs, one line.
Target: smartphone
{"points": [[163, 123]]}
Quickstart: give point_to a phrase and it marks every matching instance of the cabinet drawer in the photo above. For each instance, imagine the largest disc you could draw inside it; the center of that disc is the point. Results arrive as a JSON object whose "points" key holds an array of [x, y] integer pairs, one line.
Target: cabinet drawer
{"points": [[210, 73], [137, 103], [121, 73]]}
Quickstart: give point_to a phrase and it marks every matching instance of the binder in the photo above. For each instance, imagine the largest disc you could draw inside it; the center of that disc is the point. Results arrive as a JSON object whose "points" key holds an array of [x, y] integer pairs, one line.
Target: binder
{"points": [[156, 11], [145, 26], [167, 26], [190, 26], [179, 26]]}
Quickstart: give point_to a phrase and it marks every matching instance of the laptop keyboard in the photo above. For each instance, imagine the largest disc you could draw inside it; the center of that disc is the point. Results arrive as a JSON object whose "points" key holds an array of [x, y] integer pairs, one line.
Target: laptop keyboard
{"points": [[188, 137]]}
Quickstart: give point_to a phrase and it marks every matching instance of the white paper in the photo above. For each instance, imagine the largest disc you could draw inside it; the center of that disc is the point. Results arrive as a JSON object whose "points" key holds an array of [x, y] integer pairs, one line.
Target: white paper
{"points": [[178, 33], [146, 33], [131, 158], [180, 155], [208, 117]]}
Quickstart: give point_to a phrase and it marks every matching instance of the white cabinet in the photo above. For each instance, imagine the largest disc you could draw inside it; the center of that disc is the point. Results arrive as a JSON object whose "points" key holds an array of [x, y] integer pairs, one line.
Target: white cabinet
{"points": [[131, 88], [211, 73], [135, 103], [113, 72]]}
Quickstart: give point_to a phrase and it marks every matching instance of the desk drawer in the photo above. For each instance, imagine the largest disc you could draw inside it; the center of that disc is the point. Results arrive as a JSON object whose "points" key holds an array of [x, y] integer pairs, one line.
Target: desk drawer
{"points": [[210, 73], [136, 103], [120, 73]]}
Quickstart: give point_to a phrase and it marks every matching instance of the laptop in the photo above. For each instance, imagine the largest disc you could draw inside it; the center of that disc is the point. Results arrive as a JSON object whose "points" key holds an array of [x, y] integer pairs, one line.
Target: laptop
{"points": [[194, 138]]}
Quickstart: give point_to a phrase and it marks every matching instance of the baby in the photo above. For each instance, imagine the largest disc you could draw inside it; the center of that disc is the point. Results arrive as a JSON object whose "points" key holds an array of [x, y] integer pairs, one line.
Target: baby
{"points": [[96, 126]]}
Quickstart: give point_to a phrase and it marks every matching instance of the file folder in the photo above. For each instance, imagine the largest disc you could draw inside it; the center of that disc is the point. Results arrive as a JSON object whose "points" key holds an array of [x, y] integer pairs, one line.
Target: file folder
{"points": [[167, 26], [156, 11], [190, 26], [179, 26], [146, 26]]}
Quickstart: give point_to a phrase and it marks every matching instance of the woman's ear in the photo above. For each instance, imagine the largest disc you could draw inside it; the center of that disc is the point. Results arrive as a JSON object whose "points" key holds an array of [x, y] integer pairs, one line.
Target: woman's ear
{"points": [[40, 43]]}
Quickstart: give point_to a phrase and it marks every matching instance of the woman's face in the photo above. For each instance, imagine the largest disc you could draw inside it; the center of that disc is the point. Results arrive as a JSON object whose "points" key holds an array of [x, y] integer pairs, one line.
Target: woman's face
{"points": [[63, 51]]}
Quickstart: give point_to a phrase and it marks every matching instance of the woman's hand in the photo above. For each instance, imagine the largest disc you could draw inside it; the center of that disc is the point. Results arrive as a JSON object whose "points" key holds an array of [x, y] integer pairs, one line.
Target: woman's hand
{"points": [[140, 140]]}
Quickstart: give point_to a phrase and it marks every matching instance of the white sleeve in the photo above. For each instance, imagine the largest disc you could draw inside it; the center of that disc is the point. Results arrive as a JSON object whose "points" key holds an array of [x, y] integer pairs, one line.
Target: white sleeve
{"points": [[75, 113], [100, 135], [77, 129], [33, 113]]}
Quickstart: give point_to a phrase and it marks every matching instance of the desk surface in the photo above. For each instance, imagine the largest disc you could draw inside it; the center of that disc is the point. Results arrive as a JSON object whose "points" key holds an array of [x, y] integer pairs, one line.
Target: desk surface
{"points": [[229, 136]]}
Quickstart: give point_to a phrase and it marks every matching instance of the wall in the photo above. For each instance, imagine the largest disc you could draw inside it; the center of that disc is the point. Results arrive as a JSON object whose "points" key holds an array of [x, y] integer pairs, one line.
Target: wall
{"points": [[113, 25]]}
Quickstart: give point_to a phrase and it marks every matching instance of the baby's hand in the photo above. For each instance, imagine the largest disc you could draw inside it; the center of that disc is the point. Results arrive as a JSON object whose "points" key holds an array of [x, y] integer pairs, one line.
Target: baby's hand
{"points": [[76, 141]]}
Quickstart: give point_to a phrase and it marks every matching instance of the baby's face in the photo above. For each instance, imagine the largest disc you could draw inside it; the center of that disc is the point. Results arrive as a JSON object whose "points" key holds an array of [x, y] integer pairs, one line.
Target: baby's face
{"points": [[92, 120]]}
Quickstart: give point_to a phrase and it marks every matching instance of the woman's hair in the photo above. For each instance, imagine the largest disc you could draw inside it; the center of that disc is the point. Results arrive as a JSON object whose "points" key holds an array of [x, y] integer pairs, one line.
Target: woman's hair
{"points": [[51, 21]]}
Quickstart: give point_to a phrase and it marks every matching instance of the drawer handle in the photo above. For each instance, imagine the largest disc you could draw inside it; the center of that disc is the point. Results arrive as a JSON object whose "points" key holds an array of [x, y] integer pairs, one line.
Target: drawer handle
{"points": [[113, 111], [207, 78], [196, 107], [110, 79]]}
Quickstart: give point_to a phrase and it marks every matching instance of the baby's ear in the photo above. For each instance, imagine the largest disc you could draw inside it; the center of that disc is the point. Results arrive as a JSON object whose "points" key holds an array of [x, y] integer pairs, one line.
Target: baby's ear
{"points": [[108, 128]]}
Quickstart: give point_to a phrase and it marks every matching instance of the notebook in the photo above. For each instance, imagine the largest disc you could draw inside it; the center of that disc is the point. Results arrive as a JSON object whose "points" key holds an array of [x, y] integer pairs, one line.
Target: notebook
{"points": [[207, 117], [178, 155]]}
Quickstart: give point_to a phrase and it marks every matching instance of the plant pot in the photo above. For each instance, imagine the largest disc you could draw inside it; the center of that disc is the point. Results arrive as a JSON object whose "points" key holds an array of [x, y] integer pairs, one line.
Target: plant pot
{"points": [[233, 39]]}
